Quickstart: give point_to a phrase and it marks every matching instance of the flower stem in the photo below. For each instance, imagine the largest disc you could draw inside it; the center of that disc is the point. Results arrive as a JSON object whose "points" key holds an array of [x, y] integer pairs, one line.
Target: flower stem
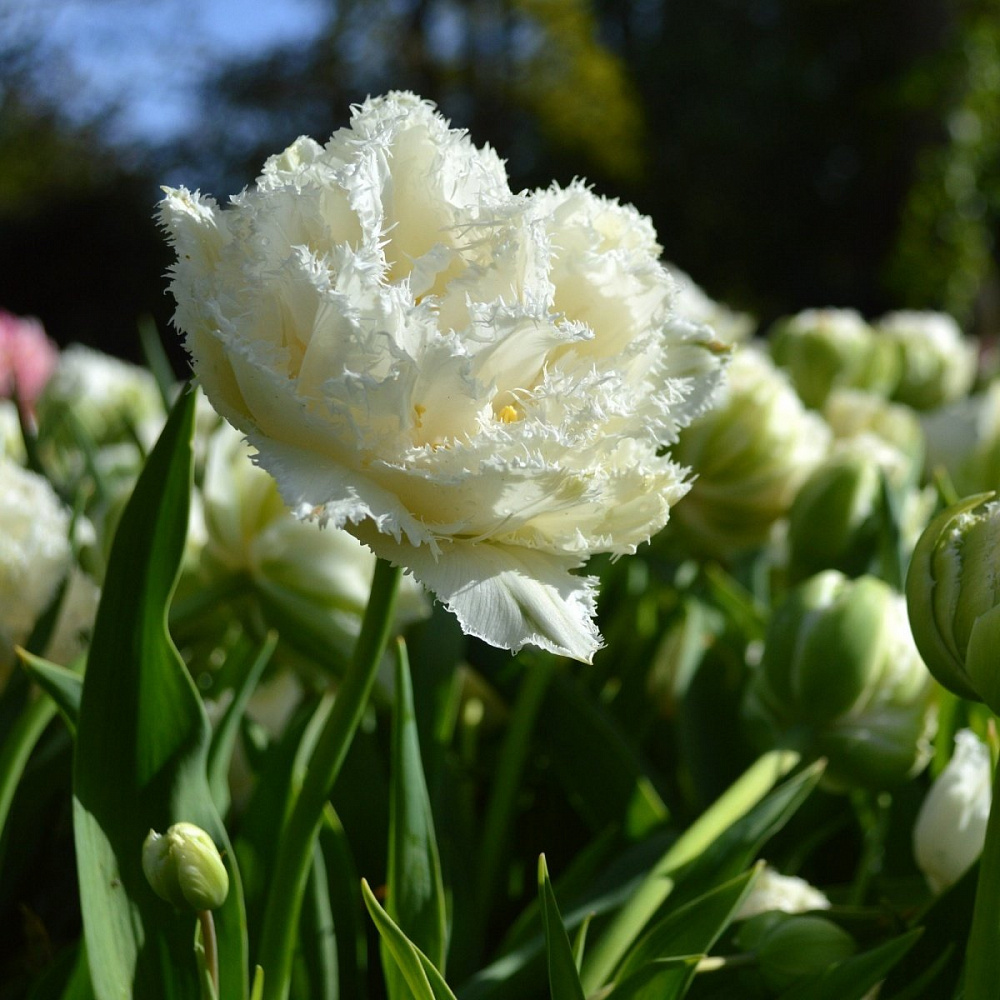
{"points": [[299, 833], [982, 962], [211, 945]]}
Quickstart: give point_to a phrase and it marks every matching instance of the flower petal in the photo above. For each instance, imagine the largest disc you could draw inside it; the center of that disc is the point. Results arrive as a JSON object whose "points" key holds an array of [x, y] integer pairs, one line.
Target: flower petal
{"points": [[508, 596]]}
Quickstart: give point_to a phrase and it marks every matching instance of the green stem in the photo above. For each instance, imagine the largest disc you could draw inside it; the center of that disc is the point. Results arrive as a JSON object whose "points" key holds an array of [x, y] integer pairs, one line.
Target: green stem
{"points": [[302, 826], [982, 961], [211, 945]]}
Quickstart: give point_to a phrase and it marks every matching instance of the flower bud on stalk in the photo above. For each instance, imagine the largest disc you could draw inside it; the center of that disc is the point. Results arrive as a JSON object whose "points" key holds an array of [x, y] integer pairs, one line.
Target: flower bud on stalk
{"points": [[841, 677], [184, 867], [953, 596]]}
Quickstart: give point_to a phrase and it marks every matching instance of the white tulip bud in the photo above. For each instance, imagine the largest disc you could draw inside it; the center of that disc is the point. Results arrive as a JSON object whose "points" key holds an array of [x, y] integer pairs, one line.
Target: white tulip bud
{"points": [[951, 827]]}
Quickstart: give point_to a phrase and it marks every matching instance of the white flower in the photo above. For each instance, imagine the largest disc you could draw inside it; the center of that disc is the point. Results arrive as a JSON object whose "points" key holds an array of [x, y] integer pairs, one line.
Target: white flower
{"points": [[788, 893], [34, 552], [478, 384], [951, 826]]}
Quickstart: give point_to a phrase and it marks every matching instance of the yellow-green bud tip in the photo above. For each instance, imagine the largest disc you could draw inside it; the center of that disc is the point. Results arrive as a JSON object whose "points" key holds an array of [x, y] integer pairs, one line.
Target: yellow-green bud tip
{"points": [[184, 867]]}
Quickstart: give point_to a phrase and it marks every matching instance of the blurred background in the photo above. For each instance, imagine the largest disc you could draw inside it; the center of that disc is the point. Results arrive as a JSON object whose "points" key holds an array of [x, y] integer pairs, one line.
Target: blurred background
{"points": [[792, 153]]}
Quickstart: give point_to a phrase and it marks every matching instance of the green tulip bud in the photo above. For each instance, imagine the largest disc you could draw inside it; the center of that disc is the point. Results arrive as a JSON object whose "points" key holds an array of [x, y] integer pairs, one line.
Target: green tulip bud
{"points": [[853, 414], [825, 348], [184, 867], [835, 519], [841, 678], [937, 364], [793, 948], [750, 454], [953, 595]]}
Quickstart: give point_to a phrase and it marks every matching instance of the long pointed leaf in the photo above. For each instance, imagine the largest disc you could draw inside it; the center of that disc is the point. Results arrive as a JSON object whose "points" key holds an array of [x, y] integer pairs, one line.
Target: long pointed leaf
{"points": [[564, 980], [416, 900], [423, 979], [141, 752]]}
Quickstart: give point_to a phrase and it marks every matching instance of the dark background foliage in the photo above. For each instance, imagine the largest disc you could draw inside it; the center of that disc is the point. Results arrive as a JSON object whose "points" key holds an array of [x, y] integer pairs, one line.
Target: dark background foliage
{"points": [[792, 153]]}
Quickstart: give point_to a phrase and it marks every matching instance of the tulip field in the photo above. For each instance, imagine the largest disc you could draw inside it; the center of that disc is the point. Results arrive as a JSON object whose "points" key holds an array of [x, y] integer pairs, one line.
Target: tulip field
{"points": [[489, 614]]}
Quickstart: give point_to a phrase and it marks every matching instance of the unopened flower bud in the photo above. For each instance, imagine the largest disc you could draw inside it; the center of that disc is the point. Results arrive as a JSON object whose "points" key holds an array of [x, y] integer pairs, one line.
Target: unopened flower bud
{"points": [[938, 364], [953, 596], [792, 948], [822, 349], [835, 519], [184, 867], [841, 676], [951, 826], [750, 454]]}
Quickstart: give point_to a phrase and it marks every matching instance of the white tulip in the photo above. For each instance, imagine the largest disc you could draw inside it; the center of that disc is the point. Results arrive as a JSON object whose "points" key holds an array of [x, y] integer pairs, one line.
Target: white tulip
{"points": [[950, 830], [478, 385]]}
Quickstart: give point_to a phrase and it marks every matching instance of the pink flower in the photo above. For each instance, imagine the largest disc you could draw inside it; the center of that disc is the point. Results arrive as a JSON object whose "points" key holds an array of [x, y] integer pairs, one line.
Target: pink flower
{"points": [[27, 357]]}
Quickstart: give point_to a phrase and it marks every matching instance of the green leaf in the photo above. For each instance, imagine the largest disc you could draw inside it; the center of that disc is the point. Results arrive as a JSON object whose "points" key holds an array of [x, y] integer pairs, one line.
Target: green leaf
{"points": [[721, 818], [854, 977], [662, 979], [62, 684], [423, 979], [690, 929], [247, 661], [596, 762], [317, 934], [141, 752], [946, 932], [564, 980], [24, 734], [416, 899], [345, 907]]}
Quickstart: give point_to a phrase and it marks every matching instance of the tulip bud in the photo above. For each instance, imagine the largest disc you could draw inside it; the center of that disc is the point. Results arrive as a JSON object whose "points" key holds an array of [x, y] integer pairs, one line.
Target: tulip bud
{"points": [[951, 826], [773, 892], [792, 948], [825, 348], [953, 595], [184, 867], [749, 454], [853, 414], [835, 519], [840, 677], [938, 365]]}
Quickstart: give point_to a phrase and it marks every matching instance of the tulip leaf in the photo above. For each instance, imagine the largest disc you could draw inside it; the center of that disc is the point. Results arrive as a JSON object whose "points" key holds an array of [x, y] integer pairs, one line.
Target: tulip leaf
{"points": [[63, 685], [141, 751], [317, 933], [20, 741], [247, 661], [564, 980], [418, 971], [662, 979], [692, 928], [855, 977], [416, 900], [596, 763], [345, 907], [728, 830]]}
